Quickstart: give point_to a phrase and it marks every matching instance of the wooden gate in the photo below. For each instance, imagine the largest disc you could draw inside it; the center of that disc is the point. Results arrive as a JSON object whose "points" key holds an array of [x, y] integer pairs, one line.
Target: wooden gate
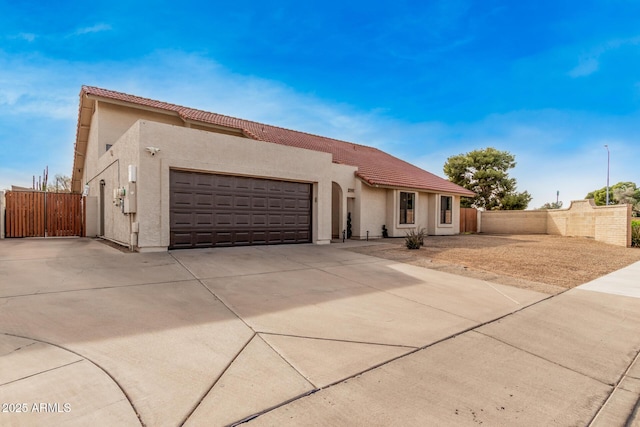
{"points": [[42, 214], [468, 220]]}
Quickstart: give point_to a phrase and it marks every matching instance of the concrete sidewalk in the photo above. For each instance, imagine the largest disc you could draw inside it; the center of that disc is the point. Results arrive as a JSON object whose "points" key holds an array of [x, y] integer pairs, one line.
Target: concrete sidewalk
{"points": [[298, 335], [568, 360]]}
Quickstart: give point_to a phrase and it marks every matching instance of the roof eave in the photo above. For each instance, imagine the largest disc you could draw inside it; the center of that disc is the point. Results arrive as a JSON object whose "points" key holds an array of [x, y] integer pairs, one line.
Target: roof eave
{"points": [[374, 184]]}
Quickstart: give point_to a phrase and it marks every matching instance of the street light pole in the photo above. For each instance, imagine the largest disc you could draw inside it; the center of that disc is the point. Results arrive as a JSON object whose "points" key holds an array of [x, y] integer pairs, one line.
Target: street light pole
{"points": [[608, 157]]}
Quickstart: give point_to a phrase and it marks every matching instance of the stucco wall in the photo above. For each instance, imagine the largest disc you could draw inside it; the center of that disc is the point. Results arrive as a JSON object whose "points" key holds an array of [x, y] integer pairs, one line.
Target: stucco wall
{"points": [[378, 206], [115, 120], [112, 167], [608, 224], [183, 148], [344, 177], [447, 229], [373, 212], [393, 213]]}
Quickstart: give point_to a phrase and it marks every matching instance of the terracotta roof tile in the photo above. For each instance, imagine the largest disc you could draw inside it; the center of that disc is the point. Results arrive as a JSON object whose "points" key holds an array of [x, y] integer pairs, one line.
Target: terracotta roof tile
{"points": [[374, 166]]}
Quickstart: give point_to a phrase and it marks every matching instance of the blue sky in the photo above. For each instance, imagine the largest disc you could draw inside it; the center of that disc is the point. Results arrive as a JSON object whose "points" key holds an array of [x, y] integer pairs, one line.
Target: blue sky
{"points": [[550, 81]]}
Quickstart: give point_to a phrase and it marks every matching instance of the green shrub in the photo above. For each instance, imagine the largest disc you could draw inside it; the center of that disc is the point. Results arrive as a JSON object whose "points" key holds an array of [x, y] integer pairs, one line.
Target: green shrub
{"points": [[415, 238], [635, 234]]}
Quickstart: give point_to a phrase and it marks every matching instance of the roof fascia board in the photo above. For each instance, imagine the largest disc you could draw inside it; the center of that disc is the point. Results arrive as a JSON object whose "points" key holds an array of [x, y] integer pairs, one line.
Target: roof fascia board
{"points": [[419, 190], [135, 105], [239, 131]]}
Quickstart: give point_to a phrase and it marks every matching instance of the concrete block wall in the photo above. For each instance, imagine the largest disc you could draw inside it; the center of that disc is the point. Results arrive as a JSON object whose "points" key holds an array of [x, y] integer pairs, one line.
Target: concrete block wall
{"points": [[513, 222], [608, 224]]}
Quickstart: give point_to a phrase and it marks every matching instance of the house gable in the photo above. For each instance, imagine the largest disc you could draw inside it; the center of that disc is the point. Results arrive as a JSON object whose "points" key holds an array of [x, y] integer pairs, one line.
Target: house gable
{"points": [[374, 167]]}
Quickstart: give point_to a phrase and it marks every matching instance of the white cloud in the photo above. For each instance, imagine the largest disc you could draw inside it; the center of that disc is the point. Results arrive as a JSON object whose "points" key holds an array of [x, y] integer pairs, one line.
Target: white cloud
{"points": [[585, 67], [589, 63], [24, 36], [97, 28]]}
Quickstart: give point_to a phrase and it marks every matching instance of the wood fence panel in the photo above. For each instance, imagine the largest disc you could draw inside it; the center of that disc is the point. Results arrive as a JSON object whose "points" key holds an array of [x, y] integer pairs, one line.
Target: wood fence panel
{"points": [[24, 214], [39, 214], [468, 220], [64, 214]]}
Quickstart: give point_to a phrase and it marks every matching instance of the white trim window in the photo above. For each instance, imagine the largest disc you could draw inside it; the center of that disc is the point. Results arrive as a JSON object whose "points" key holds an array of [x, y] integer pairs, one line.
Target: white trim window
{"points": [[407, 208], [446, 210]]}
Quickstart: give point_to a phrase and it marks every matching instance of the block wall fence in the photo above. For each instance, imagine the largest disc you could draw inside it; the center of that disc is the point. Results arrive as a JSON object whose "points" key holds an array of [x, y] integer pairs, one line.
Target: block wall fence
{"points": [[608, 224]]}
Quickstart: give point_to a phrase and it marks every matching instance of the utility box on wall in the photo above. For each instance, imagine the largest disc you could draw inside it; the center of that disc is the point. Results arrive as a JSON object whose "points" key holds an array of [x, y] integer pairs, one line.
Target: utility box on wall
{"points": [[129, 204]]}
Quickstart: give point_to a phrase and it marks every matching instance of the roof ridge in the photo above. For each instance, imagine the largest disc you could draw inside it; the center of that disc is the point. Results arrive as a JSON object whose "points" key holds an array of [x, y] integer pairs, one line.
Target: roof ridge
{"points": [[178, 108]]}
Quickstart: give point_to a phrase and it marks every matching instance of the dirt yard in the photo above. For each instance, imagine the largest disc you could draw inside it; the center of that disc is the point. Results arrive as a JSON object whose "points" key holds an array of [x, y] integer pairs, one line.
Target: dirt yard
{"points": [[543, 263]]}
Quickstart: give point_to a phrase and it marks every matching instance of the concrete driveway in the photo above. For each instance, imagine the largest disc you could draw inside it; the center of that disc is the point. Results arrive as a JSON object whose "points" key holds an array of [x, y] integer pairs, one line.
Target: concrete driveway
{"points": [[300, 335]]}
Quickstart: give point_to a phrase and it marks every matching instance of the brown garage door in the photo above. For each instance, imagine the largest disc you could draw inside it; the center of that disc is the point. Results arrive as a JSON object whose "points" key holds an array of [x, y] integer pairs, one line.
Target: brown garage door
{"points": [[223, 210]]}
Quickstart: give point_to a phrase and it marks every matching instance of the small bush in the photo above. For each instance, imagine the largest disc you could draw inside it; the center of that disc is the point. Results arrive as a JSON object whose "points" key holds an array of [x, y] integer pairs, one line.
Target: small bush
{"points": [[415, 238], [635, 234]]}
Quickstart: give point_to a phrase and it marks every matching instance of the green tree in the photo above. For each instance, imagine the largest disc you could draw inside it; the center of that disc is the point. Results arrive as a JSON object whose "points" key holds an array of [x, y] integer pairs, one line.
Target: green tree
{"points": [[620, 193], [485, 173], [60, 184], [551, 205]]}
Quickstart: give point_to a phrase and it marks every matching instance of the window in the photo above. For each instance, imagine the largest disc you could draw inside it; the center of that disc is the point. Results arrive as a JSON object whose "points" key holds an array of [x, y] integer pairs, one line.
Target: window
{"points": [[407, 208], [446, 209]]}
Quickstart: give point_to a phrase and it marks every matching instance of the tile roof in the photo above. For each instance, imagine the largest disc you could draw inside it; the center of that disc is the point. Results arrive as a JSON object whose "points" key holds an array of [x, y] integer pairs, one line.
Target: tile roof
{"points": [[375, 167]]}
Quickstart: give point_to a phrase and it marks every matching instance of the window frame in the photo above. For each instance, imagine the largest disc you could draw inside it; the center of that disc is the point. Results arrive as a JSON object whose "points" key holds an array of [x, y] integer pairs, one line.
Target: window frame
{"points": [[403, 216], [442, 217]]}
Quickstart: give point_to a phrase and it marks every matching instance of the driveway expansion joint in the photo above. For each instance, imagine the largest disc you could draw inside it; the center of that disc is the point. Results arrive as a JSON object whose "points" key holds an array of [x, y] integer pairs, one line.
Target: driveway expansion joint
{"points": [[413, 350], [336, 340], [636, 409], [124, 392], [314, 386], [215, 381], [43, 372], [545, 359], [8, 297], [231, 310]]}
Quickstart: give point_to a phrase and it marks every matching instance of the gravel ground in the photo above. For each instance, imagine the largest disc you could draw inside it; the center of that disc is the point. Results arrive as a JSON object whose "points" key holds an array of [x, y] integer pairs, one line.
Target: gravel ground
{"points": [[543, 263]]}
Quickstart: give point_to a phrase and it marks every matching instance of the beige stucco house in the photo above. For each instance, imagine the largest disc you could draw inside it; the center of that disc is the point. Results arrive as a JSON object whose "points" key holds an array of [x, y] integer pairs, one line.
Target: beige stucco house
{"points": [[157, 176]]}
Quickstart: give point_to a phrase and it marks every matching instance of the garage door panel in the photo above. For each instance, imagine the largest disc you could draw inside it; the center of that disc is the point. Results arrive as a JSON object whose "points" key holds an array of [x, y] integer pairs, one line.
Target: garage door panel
{"points": [[181, 219], [275, 220], [181, 240], [275, 203], [259, 220], [259, 238], [275, 187], [223, 201], [242, 183], [223, 220], [242, 238], [223, 210], [259, 202], [304, 205], [204, 219], [183, 199], [242, 220], [182, 179], [203, 238], [259, 185], [241, 202], [203, 201], [202, 182], [289, 220], [222, 181]]}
